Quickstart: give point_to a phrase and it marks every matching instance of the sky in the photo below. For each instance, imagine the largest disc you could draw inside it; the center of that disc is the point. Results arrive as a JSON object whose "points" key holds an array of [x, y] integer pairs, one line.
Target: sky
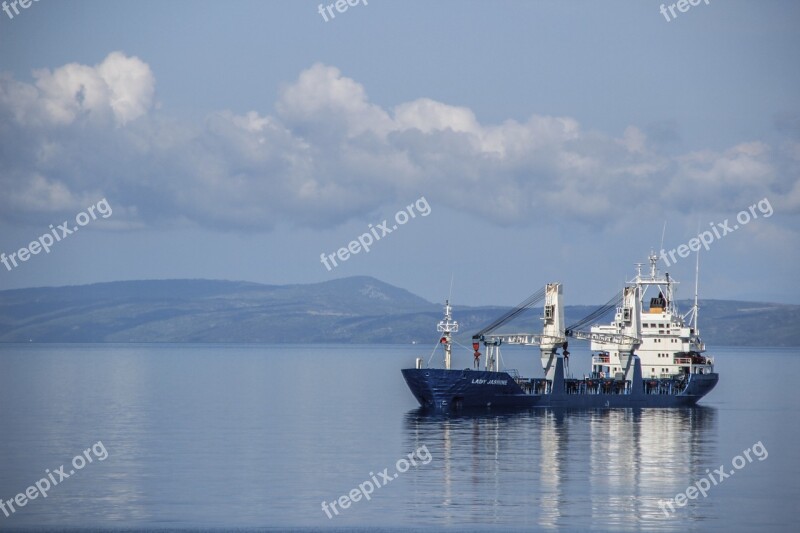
{"points": [[532, 141]]}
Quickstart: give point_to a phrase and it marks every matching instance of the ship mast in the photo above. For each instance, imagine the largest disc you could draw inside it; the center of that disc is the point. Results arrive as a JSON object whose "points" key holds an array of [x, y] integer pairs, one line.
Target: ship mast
{"points": [[696, 285], [447, 327]]}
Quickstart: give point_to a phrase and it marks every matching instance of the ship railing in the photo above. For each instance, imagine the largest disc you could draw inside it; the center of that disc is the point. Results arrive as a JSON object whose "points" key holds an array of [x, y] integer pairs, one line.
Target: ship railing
{"points": [[599, 359], [535, 385], [526, 384], [594, 385], [659, 387], [664, 385]]}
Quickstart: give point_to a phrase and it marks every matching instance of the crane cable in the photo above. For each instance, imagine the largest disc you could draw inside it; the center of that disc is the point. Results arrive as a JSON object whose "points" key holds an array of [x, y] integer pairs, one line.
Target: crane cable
{"points": [[596, 314], [527, 303]]}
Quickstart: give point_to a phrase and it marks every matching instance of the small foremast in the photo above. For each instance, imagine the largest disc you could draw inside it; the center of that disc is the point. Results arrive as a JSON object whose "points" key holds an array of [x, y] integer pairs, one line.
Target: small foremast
{"points": [[447, 327]]}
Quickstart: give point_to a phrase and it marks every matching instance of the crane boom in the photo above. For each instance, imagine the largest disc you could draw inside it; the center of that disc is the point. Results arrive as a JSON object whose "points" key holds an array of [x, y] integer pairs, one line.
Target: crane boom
{"points": [[524, 339], [603, 338]]}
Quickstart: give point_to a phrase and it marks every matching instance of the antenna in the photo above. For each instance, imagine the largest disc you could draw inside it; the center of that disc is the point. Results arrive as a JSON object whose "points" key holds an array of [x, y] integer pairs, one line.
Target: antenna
{"points": [[696, 282], [663, 232], [450, 296], [696, 285]]}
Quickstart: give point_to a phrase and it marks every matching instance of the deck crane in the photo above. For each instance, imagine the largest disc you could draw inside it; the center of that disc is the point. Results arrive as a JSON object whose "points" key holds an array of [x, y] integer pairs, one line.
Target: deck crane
{"points": [[627, 338], [554, 335]]}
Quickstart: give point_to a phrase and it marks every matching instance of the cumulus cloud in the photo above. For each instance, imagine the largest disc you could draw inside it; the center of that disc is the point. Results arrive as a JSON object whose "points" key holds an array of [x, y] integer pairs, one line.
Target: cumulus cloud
{"points": [[120, 88], [327, 154]]}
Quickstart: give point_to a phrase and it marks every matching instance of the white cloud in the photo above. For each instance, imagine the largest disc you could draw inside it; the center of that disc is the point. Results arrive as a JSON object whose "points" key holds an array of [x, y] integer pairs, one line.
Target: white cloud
{"points": [[42, 195], [321, 93], [328, 155], [428, 115], [130, 83], [120, 87]]}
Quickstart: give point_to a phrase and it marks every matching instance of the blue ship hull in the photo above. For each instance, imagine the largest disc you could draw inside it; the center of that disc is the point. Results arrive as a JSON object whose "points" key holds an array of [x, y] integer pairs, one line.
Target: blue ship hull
{"points": [[463, 389]]}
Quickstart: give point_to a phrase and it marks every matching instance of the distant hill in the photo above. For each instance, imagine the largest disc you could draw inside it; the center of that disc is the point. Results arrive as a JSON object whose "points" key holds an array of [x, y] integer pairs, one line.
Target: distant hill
{"points": [[349, 310]]}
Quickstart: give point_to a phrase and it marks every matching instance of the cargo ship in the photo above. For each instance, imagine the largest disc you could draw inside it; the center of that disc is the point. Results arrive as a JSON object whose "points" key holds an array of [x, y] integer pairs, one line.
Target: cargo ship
{"points": [[651, 357]]}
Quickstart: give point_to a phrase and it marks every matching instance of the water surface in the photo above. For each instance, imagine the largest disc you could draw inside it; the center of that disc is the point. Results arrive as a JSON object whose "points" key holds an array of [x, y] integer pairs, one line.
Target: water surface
{"points": [[256, 436]]}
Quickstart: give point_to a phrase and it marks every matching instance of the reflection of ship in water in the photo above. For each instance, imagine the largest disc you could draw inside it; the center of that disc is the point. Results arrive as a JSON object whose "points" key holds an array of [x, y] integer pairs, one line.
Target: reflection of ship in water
{"points": [[558, 468]]}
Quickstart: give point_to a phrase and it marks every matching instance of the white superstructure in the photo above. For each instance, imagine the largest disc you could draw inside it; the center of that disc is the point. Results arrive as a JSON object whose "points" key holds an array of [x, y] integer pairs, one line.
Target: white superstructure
{"points": [[670, 344]]}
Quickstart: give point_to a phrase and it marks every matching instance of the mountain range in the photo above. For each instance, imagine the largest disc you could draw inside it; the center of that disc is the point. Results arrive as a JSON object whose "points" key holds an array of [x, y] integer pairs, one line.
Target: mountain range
{"points": [[347, 310]]}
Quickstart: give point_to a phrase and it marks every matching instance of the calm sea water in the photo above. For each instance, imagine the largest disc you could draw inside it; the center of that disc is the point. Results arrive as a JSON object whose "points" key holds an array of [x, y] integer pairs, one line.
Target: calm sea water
{"points": [[257, 437]]}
